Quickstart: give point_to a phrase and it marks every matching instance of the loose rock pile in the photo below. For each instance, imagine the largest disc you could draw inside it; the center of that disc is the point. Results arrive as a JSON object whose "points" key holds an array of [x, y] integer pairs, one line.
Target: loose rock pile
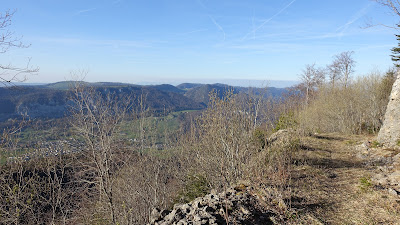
{"points": [[387, 175], [234, 206]]}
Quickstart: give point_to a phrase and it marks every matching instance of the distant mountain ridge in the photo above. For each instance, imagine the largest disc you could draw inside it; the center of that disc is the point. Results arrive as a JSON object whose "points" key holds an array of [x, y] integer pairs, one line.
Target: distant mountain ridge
{"points": [[52, 100], [202, 93], [186, 86]]}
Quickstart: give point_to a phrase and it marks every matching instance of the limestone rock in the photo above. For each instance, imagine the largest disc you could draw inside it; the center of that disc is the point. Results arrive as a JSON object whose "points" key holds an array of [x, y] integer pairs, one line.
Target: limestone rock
{"points": [[389, 134], [281, 137], [242, 208]]}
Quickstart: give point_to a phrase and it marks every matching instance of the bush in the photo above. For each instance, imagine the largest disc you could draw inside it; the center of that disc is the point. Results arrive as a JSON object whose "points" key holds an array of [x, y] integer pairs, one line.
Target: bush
{"points": [[285, 121], [195, 186], [223, 140], [365, 184], [259, 137], [357, 108]]}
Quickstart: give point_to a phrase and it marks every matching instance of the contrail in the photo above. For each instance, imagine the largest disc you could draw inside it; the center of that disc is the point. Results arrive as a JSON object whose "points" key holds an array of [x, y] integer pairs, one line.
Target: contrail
{"points": [[266, 21], [201, 4], [355, 17], [217, 25], [84, 11]]}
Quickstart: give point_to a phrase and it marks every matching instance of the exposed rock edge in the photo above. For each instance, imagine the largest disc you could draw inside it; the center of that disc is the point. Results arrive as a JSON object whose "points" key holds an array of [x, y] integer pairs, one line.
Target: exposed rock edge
{"points": [[389, 134]]}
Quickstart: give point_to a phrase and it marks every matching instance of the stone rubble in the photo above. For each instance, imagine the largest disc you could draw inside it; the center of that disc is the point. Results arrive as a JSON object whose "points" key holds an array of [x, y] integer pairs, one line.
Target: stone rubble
{"points": [[235, 205], [387, 175]]}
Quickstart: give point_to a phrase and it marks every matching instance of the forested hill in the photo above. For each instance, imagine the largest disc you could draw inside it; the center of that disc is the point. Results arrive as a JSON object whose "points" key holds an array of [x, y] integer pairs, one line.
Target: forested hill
{"points": [[200, 93], [52, 100]]}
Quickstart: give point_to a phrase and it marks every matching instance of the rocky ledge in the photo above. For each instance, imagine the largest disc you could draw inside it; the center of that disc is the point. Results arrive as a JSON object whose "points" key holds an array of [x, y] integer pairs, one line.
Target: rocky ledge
{"points": [[234, 206]]}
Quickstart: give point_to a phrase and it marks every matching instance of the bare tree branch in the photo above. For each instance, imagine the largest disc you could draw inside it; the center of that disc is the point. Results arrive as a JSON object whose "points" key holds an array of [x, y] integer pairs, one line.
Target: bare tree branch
{"points": [[311, 78], [393, 5], [341, 68], [8, 72]]}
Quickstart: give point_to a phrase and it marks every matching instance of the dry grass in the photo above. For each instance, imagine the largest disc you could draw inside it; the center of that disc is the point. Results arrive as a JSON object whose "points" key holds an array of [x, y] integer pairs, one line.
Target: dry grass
{"points": [[331, 186]]}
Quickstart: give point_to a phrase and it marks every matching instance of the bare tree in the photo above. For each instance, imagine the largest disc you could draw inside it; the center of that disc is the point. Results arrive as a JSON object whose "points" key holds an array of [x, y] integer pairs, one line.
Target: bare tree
{"points": [[224, 144], [142, 111], [341, 68], [97, 117], [145, 182], [393, 5], [312, 77], [8, 72], [53, 183], [333, 73], [17, 181]]}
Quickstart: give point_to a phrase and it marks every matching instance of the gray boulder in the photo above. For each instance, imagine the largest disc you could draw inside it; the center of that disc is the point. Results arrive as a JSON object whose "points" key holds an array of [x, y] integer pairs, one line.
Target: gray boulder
{"points": [[389, 134]]}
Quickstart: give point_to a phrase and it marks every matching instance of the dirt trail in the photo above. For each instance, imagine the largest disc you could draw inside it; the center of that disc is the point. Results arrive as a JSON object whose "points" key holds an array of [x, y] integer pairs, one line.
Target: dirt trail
{"points": [[333, 186]]}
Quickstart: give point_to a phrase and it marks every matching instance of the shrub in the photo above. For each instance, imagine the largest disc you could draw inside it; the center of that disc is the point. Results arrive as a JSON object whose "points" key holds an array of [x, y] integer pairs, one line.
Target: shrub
{"points": [[222, 141], [195, 186], [365, 184], [375, 144], [259, 137], [357, 108], [285, 121]]}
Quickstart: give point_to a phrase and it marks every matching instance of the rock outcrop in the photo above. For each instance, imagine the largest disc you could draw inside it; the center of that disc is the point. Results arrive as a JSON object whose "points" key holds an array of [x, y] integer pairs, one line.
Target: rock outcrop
{"points": [[389, 135], [235, 206]]}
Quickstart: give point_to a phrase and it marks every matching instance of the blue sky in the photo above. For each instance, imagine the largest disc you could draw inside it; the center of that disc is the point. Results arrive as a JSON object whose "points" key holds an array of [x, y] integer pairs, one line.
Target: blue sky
{"points": [[171, 41]]}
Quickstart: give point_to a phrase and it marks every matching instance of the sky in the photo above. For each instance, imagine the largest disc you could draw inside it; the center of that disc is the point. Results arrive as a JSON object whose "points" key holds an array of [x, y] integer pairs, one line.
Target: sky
{"points": [[173, 41]]}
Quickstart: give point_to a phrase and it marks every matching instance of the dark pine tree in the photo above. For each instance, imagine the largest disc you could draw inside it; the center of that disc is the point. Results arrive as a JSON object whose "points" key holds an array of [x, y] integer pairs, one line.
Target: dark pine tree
{"points": [[396, 51]]}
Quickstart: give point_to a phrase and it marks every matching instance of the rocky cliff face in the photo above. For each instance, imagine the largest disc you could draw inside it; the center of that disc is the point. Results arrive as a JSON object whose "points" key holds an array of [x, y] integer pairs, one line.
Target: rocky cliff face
{"points": [[234, 206], [389, 135]]}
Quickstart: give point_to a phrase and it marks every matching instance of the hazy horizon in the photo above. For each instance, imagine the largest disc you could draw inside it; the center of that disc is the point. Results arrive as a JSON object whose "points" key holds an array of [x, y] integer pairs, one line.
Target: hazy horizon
{"points": [[241, 83]]}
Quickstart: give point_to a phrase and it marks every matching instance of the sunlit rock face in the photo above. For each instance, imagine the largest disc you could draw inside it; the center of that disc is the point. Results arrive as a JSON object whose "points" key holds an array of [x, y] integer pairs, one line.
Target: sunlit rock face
{"points": [[389, 135]]}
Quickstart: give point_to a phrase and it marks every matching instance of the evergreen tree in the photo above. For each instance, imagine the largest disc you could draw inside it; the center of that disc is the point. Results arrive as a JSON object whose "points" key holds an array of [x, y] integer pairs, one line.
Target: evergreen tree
{"points": [[396, 51]]}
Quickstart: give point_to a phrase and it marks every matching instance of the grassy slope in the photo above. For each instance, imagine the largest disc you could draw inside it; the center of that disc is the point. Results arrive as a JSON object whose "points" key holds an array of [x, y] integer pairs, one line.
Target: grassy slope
{"points": [[332, 186]]}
